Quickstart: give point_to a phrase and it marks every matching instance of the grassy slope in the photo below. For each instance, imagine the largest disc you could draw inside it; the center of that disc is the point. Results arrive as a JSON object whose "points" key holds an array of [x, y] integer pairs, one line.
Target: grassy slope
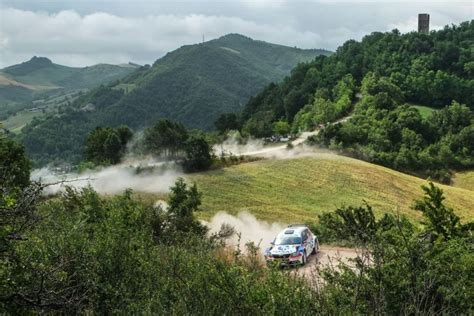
{"points": [[424, 110], [16, 122], [464, 180], [294, 190]]}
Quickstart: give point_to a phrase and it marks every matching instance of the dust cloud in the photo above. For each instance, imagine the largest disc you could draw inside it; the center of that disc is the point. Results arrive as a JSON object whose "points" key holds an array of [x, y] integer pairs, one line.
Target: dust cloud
{"points": [[295, 148], [251, 229], [150, 177], [234, 145], [145, 174]]}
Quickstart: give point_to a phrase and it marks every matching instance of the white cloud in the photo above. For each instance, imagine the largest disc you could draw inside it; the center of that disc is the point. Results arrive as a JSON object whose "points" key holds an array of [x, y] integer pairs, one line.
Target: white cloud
{"points": [[72, 39], [85, 32]]}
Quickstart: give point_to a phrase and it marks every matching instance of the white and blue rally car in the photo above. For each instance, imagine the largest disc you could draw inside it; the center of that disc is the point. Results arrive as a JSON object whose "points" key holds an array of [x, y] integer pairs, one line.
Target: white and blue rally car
{"points": [[292, 246]]}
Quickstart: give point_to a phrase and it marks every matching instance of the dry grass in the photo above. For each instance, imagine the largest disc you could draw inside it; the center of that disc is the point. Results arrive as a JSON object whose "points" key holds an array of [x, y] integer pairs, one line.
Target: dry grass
{"points": [[5, 81], [292, 190], [464, 180]]}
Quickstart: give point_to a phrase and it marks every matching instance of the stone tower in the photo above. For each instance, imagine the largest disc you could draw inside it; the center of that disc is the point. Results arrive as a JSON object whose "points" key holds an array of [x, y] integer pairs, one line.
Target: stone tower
{"points": [[423, 23]]}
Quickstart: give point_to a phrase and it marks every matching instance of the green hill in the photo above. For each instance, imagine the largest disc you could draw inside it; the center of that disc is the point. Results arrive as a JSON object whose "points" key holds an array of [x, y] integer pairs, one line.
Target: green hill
{"points": [[22, 84], [196, 83], [430, 69], [41, 73], [193, 84], [378, 79], [292, 190]]}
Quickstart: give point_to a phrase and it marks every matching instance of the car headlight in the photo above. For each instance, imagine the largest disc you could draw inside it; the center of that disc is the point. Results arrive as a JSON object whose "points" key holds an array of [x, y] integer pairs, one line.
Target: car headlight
{"points": [[294, 254]]}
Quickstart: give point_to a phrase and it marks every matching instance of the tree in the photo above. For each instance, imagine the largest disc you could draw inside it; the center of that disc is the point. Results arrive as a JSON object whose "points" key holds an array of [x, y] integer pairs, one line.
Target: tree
{"points": [[14, 165], [258, 126], [113, 148], [227, 122], [441, 222], [165, 138], [17, 194], [198, 154], [178, 222], [451, 119], [281, 128], [107, 145], [125, 134]]}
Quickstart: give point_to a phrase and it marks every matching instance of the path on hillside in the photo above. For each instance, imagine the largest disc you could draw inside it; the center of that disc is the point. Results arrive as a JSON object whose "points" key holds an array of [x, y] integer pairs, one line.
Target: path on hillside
{"points": [[298, 141], [328, 256]]}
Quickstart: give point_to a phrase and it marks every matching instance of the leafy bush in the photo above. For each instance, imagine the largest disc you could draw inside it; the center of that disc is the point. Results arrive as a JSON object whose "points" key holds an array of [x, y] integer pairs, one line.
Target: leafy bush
{"points": [[401, 268], [14, 165], [114, 255]]}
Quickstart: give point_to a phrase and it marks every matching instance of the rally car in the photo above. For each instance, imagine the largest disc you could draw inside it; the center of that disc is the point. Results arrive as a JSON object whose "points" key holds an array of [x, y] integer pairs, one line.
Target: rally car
{"points": [[292, 246]]}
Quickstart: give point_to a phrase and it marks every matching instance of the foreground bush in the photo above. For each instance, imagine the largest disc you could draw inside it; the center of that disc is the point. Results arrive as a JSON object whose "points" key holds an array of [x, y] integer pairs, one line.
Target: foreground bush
{"points": [[117, 255], [403, 268], [83, 253]]}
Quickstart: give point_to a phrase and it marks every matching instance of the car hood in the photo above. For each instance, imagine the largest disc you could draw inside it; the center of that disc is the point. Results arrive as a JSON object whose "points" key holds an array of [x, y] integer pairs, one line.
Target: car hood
{"points": [[283, 249]]}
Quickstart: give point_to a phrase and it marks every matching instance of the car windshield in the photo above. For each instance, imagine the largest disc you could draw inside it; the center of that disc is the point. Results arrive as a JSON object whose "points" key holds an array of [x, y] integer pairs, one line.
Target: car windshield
{"points": [[287, 240]]}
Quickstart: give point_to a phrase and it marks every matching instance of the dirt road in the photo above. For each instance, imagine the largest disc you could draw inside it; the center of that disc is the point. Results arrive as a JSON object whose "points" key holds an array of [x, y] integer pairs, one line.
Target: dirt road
{"points": [[327, 256], [271, 150]]}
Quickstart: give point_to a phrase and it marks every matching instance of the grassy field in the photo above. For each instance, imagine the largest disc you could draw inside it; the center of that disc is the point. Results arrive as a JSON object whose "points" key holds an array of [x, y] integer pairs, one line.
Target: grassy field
{"points": [[464, 180], [16, 122], [294, 190], [424, 110], [126, 87]]}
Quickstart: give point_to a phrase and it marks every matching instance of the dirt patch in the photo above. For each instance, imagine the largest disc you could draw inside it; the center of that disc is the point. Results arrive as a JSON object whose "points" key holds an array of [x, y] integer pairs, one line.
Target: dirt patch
{"points": [[327, 256]]}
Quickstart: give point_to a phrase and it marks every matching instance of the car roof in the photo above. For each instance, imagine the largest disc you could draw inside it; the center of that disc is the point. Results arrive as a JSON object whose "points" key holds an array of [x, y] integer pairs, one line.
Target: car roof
{"points": [[292, 231]]}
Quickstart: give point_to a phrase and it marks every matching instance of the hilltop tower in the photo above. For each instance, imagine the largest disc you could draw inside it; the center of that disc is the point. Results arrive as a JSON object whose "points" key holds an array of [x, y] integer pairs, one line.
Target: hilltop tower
{"points": [[423, 23]]}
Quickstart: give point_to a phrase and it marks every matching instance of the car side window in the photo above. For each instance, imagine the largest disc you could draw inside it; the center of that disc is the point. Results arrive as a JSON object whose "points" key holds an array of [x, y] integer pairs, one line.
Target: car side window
{"points": [[304, 235]]}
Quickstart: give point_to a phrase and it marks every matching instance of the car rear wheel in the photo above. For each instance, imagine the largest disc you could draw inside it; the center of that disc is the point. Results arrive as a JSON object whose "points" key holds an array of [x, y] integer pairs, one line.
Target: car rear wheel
{"points": [[316, 247]]}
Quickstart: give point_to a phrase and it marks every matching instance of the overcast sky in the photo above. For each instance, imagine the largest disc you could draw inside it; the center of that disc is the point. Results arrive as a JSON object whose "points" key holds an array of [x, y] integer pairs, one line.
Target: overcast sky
{"points": [[86, 32]]}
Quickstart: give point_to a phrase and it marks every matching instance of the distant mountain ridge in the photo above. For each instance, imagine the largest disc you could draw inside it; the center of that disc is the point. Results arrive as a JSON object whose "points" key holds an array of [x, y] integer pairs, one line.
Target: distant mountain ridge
{"points": [[40, 78], [42, 72], [196, 83], [193, 84]]}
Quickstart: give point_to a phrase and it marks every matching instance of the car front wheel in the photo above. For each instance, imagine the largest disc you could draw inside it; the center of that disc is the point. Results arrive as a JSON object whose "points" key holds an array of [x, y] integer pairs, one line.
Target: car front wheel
{"points": [[303, 260]]}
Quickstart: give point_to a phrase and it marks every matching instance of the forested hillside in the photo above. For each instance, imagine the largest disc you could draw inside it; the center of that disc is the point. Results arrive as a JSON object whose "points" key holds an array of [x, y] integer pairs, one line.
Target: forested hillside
{"points": [[384, 131], [193, 85], [430, 69], [399, 71]]}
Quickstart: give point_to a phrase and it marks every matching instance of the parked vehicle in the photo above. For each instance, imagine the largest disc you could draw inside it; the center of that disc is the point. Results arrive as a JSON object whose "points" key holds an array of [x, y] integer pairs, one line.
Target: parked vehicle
{"points": [[292, 246]]}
